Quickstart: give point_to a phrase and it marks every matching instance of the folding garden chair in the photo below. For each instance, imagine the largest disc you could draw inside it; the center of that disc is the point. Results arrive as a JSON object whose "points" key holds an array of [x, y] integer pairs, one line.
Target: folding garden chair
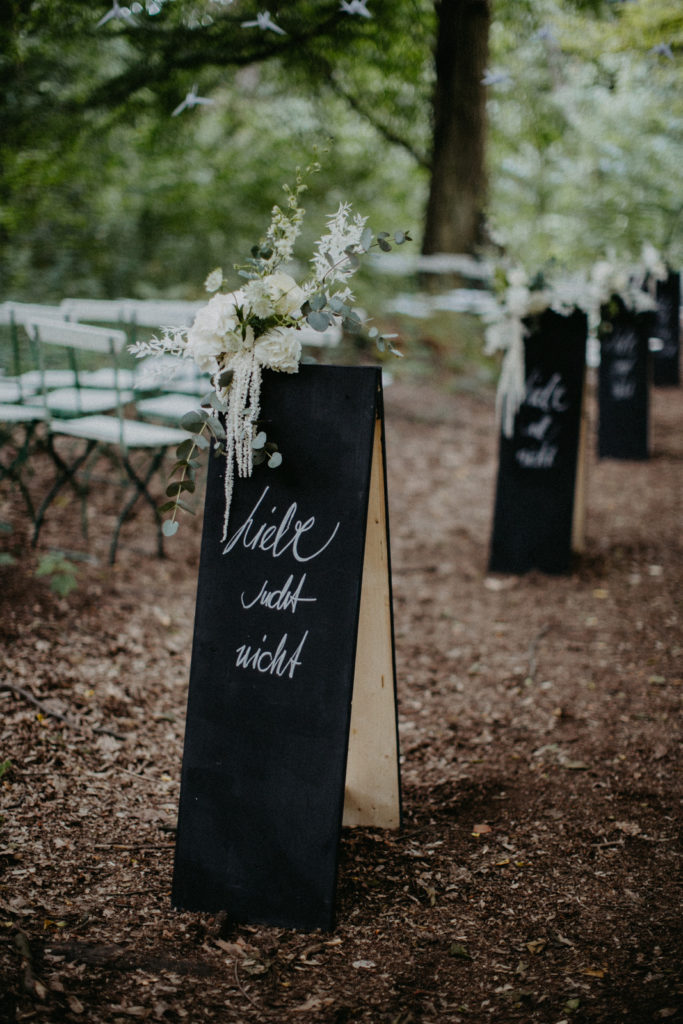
{"points": [[15, 454], [101, 426]]}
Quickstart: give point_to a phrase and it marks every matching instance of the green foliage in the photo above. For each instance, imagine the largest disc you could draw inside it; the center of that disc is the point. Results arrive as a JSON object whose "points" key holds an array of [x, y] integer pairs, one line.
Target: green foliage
{"points": [[586, 133], [5, 767], [104, 193], [62, 573]]}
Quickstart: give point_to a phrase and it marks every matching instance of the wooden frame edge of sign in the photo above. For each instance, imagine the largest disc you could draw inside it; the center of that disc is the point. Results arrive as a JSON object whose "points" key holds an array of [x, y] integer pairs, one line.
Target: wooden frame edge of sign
{"points": [[578, 540], [372, 786]]}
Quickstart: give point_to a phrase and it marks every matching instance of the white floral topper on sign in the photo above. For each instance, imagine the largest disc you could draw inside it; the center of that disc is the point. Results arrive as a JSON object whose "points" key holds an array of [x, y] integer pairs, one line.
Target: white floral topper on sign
{"points": [[238, 334], [523, 297]]}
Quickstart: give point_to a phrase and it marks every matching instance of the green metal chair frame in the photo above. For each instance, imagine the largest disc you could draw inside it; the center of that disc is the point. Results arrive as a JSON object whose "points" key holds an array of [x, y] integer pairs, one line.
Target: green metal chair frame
{"points": [[107, 432]]}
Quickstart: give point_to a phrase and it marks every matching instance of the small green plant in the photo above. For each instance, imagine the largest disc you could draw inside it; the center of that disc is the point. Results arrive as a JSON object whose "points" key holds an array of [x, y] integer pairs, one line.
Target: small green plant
{"points": [[61, 573], [5, 767]]}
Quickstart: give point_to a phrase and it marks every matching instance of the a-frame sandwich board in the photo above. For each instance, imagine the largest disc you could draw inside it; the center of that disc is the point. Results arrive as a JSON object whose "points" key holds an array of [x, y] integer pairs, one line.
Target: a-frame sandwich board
{"points": [[291, 722]]}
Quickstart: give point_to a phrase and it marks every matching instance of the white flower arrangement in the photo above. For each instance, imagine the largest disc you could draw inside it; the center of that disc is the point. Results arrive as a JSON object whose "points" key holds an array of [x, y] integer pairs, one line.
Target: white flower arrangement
{"points": [[522, 298], [506, 330], [633, 285], [238, 334]]}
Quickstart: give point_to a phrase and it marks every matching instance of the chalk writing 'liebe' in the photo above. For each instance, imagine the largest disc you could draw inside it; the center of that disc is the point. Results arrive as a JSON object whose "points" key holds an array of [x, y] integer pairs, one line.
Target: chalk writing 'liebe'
{"points": [[277, 534]]}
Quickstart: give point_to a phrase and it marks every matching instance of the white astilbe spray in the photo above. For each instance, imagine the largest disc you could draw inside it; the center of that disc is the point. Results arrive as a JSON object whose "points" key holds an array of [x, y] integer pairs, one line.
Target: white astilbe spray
{"points": [[332, 262], [285, 228]]}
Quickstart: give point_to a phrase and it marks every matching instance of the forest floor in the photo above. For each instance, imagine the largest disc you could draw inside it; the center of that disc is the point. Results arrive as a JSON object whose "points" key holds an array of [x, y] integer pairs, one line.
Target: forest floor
{"points": [[536, 877]]}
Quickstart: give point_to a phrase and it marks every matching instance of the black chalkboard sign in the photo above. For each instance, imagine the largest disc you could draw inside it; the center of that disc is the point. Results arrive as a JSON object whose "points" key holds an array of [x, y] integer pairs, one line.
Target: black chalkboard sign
{"points": [[537, 467], [624, 382], [667, 332], [293, 625]]}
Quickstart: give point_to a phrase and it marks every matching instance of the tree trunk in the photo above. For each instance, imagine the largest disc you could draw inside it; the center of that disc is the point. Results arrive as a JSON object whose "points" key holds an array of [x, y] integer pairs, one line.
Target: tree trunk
{"points": [[455, 218]]}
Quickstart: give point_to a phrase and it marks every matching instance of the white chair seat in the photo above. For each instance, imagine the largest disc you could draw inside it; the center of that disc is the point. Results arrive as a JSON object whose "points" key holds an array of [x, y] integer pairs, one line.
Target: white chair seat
{"points": [[81, 401], [10, 413], [31, 381], [170, 407], [12, 391], [106, 377], [109, 429]]}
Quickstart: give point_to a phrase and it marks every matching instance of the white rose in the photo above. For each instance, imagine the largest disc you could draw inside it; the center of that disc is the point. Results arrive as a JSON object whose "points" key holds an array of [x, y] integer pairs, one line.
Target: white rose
{"points": [[517, 277], [287, 296], [279, 349], [214, 331], [517, 300]]}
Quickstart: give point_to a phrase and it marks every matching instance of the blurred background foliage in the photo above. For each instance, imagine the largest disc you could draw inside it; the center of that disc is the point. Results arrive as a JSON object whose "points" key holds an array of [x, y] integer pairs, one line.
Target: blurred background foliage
{"points": [[104, 193]]}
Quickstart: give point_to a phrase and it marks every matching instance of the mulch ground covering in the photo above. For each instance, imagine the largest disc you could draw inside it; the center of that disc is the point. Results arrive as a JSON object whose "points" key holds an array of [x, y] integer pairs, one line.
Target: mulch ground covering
{"points": [[536, 877]]}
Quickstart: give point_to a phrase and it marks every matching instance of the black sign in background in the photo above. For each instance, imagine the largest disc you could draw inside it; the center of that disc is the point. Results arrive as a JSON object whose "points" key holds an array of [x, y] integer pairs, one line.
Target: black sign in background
{"points": [[666, 360], [534, 504], [265, 747], [624, 382]]}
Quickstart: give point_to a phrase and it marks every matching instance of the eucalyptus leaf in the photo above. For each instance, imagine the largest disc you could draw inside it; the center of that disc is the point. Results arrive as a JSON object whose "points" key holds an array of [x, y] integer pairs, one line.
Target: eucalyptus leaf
{"points": [[259, 458], [217, 403], [366, 239], [184, 449], [225, 378], [200, 441], [167, 506], [275, 460], [384, 245], [193, 421], [318, 301], [169, 527], [178, 486], [338, 305], [216, 428], [319, 321], [352, 324], [259, 440]]}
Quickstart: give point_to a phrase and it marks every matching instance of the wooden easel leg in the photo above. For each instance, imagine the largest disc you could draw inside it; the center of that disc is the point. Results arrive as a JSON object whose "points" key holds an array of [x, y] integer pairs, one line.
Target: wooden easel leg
{"points": [[580, 487], [372, 776]]}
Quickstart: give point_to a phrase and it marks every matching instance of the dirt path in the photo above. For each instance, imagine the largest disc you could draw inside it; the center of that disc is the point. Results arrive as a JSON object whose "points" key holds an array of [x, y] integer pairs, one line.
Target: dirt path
{"points": [[537, 875]]}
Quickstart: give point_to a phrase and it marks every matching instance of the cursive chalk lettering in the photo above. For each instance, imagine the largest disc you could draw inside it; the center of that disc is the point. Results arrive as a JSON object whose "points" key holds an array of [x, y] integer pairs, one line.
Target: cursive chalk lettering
{"points": [[623, 390], [274, 663], [277, 537], [281, 599], [538, 458], [624, 344], [548, 397]]}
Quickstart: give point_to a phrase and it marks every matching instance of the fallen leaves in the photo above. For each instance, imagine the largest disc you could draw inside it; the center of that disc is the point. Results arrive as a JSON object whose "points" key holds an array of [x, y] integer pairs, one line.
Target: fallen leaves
{"points": [[459, 951]]}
